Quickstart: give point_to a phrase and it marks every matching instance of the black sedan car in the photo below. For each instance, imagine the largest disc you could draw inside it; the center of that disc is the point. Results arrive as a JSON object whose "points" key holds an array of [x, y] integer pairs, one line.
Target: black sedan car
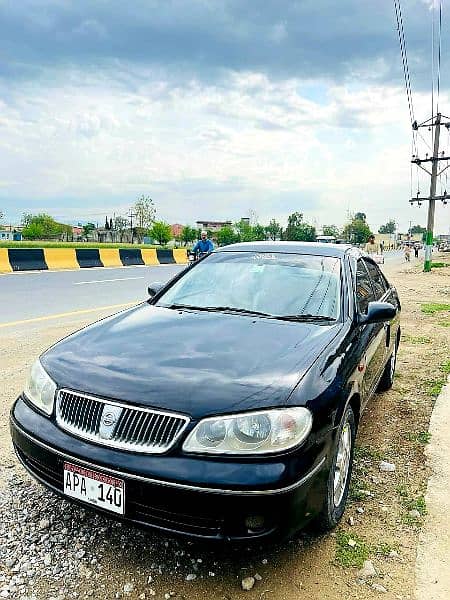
{"points": [[224, 407]]}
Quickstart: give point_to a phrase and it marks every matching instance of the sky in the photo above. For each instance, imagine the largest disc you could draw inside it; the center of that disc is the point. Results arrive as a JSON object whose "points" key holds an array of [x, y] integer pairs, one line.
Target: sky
{"points": [[216, 109]]}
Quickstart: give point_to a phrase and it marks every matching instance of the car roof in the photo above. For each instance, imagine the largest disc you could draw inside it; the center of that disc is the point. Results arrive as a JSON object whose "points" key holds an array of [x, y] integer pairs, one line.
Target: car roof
{"points": [[315, 248]]}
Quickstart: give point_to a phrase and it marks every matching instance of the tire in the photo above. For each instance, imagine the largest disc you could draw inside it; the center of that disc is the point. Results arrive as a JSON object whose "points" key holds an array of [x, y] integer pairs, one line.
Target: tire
{"points": [[387, 379], [338, 483]]}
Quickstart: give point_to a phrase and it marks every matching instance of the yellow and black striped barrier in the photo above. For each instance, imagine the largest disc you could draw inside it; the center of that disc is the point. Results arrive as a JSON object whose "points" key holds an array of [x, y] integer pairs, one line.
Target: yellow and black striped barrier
{"points": [[43, 259]]}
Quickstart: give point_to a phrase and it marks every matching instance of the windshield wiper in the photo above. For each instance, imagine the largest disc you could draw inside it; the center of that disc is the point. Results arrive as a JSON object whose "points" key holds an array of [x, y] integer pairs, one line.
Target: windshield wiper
{"points": [[306, 318], [229, 309]]}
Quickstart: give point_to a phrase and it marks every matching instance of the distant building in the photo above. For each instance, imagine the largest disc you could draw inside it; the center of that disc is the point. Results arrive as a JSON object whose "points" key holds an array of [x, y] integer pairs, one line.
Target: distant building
{"points": [[213, 225], [10, 236], [176, 229]]}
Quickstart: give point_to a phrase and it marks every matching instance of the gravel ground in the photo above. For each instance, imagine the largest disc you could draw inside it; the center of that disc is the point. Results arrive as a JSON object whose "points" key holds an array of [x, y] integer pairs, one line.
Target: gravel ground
{"points": [[53, 549]]}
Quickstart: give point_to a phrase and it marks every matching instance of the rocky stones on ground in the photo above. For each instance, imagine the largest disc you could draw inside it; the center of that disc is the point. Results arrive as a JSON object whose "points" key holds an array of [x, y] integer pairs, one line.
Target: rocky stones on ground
{"points": [[247, 583], [387, 467], [414, 513], [379, 588], [368, 570]]}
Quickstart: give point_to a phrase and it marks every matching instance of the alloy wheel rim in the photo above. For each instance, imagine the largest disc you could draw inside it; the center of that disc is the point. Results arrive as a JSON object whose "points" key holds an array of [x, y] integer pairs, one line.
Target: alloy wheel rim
{"points": [[342, 464]]}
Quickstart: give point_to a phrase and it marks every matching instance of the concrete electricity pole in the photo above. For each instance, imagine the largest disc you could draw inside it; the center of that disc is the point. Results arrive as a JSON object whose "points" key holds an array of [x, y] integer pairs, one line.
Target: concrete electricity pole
{"points": [[435, 159]]}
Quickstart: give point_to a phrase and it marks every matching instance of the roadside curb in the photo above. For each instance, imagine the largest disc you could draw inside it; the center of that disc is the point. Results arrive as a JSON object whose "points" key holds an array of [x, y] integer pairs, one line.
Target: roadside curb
{"points": [[433, 551], [56, 259]]}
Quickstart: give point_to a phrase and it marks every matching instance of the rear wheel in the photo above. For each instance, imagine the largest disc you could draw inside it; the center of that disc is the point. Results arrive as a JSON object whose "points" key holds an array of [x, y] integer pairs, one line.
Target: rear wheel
{"points": [[340, 473], [387, 379]]}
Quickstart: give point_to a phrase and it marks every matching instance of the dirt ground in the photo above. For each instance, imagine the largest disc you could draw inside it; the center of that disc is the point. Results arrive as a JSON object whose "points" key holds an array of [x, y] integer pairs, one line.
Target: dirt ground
{"points": [[378, 523]]}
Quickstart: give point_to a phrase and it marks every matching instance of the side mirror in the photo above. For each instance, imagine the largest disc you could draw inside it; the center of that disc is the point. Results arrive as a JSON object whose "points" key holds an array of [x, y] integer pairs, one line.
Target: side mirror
{"points": [[377, 312], [154, 288]]}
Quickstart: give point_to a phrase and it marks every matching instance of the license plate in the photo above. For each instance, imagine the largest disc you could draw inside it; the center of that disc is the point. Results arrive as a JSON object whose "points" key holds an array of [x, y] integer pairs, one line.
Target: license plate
{"points": [[94, 488]]}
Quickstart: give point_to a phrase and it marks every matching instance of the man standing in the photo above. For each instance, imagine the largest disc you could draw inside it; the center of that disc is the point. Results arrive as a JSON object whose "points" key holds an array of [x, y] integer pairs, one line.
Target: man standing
{"points": [[203, 246], [371, 247]]}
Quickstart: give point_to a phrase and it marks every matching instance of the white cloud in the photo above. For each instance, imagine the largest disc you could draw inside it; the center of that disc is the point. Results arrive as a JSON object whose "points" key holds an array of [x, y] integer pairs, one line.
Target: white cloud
{"points": [[219, 150]]}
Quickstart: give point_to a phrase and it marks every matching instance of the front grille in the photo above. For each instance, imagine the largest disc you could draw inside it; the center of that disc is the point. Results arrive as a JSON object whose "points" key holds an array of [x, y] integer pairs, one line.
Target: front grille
{"points": [[118, 425]]}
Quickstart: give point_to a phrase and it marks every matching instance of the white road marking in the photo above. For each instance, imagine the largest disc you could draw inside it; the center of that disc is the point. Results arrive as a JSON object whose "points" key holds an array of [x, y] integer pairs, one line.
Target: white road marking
{"points": [[105, 280]]}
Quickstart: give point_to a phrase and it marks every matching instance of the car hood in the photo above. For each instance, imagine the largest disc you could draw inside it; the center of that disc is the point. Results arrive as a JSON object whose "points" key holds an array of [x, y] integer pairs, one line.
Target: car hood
{"points": [[191, 362]]}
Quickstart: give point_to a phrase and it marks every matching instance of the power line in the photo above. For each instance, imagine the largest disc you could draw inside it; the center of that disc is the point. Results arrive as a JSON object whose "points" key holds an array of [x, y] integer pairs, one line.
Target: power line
{"points": [[404, 57], [439, 56]]}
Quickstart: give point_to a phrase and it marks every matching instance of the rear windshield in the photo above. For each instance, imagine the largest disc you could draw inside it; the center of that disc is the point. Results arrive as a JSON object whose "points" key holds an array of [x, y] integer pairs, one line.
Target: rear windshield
{"points": [[277, 284]]}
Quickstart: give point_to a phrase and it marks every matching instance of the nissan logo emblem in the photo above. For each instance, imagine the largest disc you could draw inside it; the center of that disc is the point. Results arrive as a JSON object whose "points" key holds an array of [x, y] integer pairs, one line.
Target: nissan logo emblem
{"points": [[108, 419]]}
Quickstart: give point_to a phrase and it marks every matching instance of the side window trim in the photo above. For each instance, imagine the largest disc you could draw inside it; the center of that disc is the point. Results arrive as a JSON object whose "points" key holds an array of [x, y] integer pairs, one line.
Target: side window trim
{"points": [[383, 279], [363, 262]]}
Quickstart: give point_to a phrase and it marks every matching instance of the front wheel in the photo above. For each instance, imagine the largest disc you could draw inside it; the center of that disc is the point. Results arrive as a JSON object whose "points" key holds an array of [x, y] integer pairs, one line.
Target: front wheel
{"points": [[340, 473]]}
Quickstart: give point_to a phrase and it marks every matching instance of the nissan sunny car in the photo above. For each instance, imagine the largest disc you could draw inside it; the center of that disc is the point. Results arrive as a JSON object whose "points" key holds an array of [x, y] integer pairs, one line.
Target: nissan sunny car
{"points": [[226, 405]]}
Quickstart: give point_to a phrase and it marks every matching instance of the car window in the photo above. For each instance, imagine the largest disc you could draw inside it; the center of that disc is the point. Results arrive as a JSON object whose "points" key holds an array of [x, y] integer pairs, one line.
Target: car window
{"points": [[378, 282], [273, 283], [364, 291]]}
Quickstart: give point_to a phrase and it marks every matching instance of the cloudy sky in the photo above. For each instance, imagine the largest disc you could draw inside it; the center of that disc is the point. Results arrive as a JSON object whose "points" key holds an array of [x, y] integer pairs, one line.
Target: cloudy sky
{"points": [[214, 108]]}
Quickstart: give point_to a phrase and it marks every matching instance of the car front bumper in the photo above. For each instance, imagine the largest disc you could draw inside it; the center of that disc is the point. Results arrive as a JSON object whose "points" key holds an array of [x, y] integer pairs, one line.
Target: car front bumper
{"points": [[170, 499]]}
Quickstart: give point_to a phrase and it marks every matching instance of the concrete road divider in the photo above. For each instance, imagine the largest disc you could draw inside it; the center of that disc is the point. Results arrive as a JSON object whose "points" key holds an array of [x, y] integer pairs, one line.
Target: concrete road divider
{"points": [[130, 256], [39, 259], [110, 257], [27, 259], [88, 257], [61, 258]]}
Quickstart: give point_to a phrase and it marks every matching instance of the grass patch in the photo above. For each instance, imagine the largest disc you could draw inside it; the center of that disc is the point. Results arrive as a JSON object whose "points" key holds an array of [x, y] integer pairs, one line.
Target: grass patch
{"points": [[439, 265], [444, 323], [359, 490], [431, 308], [418, 504], [351, 551], [435, 387], [384, 548], [423, 437], [446, 367], [44, 244], [420, 339], [364, 453]]}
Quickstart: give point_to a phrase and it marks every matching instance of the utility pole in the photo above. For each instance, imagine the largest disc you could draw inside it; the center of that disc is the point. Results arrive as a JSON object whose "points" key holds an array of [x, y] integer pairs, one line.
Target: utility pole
{"points": [[434, 174], [131, 214]]}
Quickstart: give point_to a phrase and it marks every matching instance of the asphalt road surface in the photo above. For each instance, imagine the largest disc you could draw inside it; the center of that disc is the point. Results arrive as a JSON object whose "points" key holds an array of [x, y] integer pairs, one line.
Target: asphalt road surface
{"points": [[47, 295]]}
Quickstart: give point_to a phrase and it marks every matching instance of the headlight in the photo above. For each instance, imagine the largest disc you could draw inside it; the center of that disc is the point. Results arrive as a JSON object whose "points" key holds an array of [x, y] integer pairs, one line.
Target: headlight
{"points": [[40, 389], [259, 432]]}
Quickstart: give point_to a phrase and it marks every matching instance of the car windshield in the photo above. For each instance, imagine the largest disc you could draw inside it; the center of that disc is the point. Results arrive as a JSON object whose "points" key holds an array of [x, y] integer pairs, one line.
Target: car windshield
{"points": [[296, 286]]}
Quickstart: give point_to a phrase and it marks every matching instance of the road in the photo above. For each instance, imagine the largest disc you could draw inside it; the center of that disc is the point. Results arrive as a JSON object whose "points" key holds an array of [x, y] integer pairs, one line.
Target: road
{"points": [[50, 294]]}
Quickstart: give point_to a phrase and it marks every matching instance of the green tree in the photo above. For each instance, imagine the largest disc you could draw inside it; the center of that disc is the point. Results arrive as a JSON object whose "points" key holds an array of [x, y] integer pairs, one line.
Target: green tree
{"points": [[360, 216], [244, 231], [88, 228], [390, 227], [226, 235], [357, 231], [188, 234], [298, 230], [161, 232], [145, 212], [273, 230], [259, 232], [332, 230], [42, 226], [418, 229]]}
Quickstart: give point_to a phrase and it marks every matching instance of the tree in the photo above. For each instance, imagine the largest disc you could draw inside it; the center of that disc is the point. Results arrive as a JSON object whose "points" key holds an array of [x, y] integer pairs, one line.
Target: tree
{"points": [[332, 230], [88, 228], [259, 232], [120, 225], [188, 234], [418, 229], [2, 214], [42, 226], [145, 212], [273, 230], [357, 231], [226, 235], [26, 219], [244, 231], [160, 231], [360, 216], [390, 227], [298, 230]]}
